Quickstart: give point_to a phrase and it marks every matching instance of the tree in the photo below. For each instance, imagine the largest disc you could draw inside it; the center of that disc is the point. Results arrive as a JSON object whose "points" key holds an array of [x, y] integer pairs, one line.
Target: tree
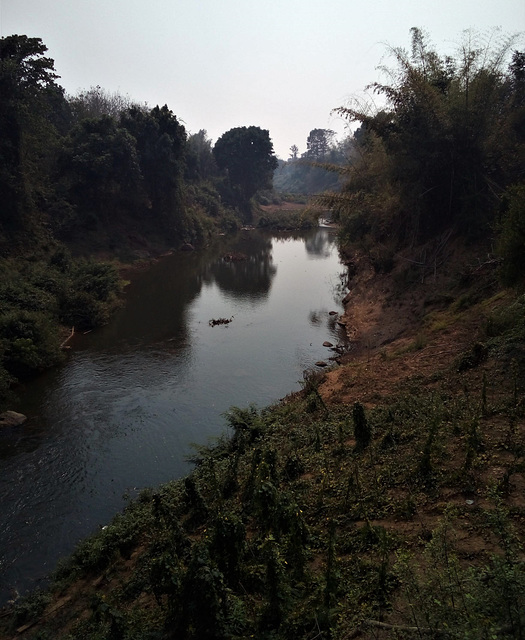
{"points": [[246, 155], [29, 96], [437, 155], [199, 157], [161, 146], [362, 430], [294, 150], [100, 166], [318, 143], [96, 102]]}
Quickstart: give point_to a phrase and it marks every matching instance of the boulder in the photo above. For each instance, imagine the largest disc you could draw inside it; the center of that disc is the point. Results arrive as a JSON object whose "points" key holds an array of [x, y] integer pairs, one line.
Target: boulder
{"points": [[327, 344], [320, 363], [12, 419]]}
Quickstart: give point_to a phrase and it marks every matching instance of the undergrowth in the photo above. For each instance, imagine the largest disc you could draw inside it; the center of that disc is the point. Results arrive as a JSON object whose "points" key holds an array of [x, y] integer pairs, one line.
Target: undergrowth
{"points": [[309, 521]]}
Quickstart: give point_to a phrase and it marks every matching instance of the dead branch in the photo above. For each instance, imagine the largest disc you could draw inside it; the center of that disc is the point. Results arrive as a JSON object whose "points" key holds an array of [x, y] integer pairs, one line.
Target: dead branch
{"points": [[62, 346]]}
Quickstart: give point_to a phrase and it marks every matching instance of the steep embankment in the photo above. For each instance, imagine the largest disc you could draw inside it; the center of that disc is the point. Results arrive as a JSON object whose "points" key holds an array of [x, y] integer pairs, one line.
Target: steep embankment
{"points": [[318, 519], [414, 320]]}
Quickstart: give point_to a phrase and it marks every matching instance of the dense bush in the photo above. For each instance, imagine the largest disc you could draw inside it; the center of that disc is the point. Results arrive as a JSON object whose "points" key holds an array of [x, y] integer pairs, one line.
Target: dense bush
{"points": [[447, 143], [37, 297], [512, 239], [30, 342]]}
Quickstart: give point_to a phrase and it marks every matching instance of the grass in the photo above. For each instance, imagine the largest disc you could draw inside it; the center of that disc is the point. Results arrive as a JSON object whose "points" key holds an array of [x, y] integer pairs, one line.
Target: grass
{"points": [[287, 529], [398, 513]]}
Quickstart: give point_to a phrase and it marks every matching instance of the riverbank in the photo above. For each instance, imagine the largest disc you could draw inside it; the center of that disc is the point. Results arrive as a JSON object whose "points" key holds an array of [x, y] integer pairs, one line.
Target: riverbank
{"points": [[300, 526]]}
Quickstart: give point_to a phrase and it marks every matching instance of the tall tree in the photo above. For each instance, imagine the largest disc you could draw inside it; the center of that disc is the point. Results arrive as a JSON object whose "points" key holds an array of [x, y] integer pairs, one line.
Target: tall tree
{"points": [[96, 102], [29, 96], [161, 147], [99, 163], [318, 143], [199, 157], [246, 154], [436, 149]]}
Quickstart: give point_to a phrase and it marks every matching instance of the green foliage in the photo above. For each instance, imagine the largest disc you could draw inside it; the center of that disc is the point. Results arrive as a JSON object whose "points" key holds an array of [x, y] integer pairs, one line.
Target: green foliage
{"points": [[202, 610], [362, 430], [505, 331], [229, 545], [40, 294], [443, 148], [309, 552], [512, 238], [246, 154], [463, 602], [91, 296], [321, 168], [30, 608], [281, 531], [318, 143], [285, 219], [31, 104], [100, 170], [29, 341], [200, 162], [247, 426], [96, 102], [474, 357], [160, 143]]}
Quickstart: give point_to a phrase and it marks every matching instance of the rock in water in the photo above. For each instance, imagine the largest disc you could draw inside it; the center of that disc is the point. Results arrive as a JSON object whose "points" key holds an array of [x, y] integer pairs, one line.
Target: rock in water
{"points": [[12, 419]]}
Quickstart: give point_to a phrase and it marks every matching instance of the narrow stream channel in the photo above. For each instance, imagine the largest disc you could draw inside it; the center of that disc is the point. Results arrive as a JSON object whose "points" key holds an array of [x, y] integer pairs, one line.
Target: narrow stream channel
{"points": [[122, 413]]}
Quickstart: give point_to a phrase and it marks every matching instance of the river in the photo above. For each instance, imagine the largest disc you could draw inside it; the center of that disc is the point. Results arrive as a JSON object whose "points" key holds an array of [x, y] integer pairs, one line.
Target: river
{"points": [[122, 412]]}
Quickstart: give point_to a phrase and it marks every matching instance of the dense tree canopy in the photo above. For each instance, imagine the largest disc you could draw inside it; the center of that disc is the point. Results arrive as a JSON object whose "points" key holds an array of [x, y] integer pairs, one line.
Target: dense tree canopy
{"points": [[318, 143], [96, 102], [317, 169], [30, 103], [100, 161], [246, 153], [444, 148], [78, 175], [160, 143], [199, 156]]}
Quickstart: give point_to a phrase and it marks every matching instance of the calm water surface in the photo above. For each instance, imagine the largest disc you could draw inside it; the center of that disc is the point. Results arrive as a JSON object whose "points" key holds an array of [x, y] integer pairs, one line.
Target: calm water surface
{"points": [[122, 413]]}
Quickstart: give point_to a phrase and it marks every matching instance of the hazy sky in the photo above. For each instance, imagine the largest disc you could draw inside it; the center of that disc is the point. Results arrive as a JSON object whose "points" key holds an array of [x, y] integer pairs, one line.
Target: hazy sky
{"points": [[282, 65]]}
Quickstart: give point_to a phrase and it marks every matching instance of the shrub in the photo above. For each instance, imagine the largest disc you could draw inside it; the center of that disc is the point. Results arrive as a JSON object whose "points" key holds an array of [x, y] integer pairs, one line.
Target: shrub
{"points": [[512, 239], [30, 343], [362, 430]]}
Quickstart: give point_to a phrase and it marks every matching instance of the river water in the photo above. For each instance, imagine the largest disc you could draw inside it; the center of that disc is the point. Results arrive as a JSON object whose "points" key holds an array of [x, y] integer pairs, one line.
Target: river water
{"points": [[123, 411]]}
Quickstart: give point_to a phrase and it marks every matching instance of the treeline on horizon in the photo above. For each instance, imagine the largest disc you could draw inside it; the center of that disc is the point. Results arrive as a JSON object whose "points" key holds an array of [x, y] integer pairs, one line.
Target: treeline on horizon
{"points": [[82, 164], [313, 519], [319, 168], [445, 153], [98, 174]]}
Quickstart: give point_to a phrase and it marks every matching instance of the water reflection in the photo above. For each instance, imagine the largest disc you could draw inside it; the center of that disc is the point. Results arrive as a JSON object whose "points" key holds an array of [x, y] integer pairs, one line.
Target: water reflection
{"points": [[319, 245], [122, 412], [252, 274]]}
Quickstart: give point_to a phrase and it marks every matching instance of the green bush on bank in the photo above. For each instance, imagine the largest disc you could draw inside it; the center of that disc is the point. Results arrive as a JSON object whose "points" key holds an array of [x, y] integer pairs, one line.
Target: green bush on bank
{"points": [[40, 295], [286, 530], [512, 238]]}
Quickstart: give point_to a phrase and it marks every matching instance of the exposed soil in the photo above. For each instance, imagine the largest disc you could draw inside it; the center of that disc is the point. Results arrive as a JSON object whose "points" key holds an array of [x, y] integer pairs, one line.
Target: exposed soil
{"points": [[398, 331], [406, 328]]}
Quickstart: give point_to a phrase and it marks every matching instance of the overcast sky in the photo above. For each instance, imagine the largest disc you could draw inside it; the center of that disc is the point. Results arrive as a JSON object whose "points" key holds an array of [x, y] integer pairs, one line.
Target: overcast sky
{"points": [[282, 65]]}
